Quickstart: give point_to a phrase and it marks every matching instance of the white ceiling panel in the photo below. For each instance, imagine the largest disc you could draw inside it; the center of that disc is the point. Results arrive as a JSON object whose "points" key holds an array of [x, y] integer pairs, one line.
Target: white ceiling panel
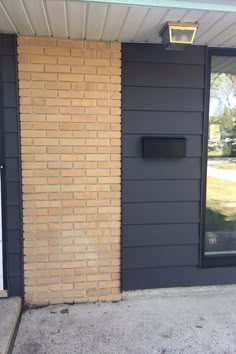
{"points": [[58, 18], [114, 21], [230, 41], [150, 24], [171, 15], [96, 17], [193, 16], [18, 16], [207, 23], [226, 32], [213, 32], [5, 23], [110, 22], [37, 17], [132, 23], [77, 18]]}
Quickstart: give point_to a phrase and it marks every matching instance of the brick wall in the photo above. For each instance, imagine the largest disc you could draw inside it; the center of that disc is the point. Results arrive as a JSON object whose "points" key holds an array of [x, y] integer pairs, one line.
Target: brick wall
{"points": [[70, 143]]}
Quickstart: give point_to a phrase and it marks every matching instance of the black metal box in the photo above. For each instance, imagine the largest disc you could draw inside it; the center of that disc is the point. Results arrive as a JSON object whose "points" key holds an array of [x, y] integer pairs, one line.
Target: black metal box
{"points": [[164, 147]]}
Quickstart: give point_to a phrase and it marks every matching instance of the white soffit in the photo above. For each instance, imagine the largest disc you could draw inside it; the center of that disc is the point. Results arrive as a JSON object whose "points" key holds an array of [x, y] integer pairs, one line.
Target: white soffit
{"points": [[118, 21]]}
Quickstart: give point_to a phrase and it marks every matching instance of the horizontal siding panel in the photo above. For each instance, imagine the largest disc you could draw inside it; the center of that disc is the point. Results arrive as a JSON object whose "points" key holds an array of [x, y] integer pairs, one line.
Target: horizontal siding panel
{"points": [[162, 95], [9, 94], [162, 75], [151, 169], [11, 145], [7, 63], [15, 264], [162, 234], [132, 145], [155, 213], [155, 54], [13, 194], [14, 241], [15, 285], [10, 121], [8, 45], [161, 256], [12, 169], [149, 122], [176, 277], [169, 99], [13, 218], [158, 191]]}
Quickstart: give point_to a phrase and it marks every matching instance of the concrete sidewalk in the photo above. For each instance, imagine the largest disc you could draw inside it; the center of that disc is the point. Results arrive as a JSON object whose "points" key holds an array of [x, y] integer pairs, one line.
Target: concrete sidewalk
{"points": [[10, 310], [191, 321]]}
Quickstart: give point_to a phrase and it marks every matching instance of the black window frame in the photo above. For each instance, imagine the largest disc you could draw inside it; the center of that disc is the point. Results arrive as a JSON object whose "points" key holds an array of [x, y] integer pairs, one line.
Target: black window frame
{"points": [[212, 261]]}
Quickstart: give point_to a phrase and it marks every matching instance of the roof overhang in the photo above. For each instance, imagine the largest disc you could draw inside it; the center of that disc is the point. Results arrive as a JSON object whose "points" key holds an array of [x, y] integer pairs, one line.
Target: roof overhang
{"points": [[137, 21]]}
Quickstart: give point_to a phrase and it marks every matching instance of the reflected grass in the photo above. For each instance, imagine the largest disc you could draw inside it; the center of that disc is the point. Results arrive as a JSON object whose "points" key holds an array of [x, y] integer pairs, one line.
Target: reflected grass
{"points": [[221, 204], [225, 166]]}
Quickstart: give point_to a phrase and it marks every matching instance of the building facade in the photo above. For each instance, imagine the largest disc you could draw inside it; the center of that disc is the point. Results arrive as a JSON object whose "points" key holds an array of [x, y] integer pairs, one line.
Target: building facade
{"points": [[86, 214]]}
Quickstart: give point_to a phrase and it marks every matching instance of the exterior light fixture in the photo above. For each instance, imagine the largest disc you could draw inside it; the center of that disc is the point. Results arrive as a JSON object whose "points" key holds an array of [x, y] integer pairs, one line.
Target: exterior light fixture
{"points": [[178, 35]]}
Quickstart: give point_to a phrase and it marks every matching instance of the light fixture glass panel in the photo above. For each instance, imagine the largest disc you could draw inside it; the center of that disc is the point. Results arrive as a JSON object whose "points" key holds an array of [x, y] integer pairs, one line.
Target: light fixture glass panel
{"points": [[180, 35]]}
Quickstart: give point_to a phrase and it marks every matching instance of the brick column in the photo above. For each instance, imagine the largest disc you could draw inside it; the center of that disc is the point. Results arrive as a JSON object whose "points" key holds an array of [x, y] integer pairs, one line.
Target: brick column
{"points": [[70, 139]]}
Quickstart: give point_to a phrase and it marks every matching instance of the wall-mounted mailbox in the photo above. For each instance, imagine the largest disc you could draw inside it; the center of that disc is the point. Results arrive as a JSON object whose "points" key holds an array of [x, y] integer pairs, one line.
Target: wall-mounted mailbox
{"points": [[164, 147]]}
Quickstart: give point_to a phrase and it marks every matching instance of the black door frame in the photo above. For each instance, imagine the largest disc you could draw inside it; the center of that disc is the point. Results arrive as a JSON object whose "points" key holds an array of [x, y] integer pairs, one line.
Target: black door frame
{"points": [[11, 171]]}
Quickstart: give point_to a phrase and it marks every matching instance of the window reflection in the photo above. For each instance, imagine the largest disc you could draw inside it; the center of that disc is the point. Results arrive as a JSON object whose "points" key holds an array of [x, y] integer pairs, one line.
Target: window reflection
{"points": [[220, 238]]}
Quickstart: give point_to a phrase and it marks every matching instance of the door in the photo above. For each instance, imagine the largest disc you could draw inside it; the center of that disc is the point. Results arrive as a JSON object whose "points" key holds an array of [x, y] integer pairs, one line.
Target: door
{"points": [[1, 180], [1, 240]]}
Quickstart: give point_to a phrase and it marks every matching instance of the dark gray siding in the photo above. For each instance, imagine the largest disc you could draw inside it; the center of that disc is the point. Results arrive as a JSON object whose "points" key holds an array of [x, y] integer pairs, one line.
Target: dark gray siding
{"points": [[163, 94], [10, 159]]}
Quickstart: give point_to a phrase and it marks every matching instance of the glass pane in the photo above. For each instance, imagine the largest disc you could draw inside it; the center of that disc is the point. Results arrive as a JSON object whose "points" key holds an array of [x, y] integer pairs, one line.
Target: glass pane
{"points": [[220, 237], [182, 35]]}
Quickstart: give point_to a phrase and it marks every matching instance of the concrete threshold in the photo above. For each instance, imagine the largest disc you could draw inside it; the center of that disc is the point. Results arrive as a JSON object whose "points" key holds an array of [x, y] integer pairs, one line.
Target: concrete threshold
{"points": [[185, 291], [10, 312], [3, 293]]}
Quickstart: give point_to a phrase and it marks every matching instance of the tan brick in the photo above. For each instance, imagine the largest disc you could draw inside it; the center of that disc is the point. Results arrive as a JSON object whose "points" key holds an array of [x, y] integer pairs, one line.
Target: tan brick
{"points": [[84, 69], [97, 78], [31, 67], [30, 50], [23, 58], [97, 45], [24, 75], [57, 51], [43, 76], [43, 59], [84, 53], [70, 93], [70, 43], [97, 62], [22, 40], [56, 85], [42, 42], [70, 77], [70, 60], [57, 68]]}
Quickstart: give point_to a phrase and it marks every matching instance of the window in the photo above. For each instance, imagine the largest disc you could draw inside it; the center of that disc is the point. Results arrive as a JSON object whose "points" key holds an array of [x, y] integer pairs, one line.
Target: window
{"points": [[220, 212]]}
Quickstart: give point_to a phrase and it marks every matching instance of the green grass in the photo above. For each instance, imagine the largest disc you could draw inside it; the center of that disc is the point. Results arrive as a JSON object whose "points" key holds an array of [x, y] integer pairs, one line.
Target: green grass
{"points": [[214, 153]]}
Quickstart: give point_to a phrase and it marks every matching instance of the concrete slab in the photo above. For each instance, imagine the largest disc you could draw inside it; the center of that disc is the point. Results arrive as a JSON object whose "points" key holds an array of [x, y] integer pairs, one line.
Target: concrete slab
{"points": [[10, 310], [3, 293], [195, 322]]}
